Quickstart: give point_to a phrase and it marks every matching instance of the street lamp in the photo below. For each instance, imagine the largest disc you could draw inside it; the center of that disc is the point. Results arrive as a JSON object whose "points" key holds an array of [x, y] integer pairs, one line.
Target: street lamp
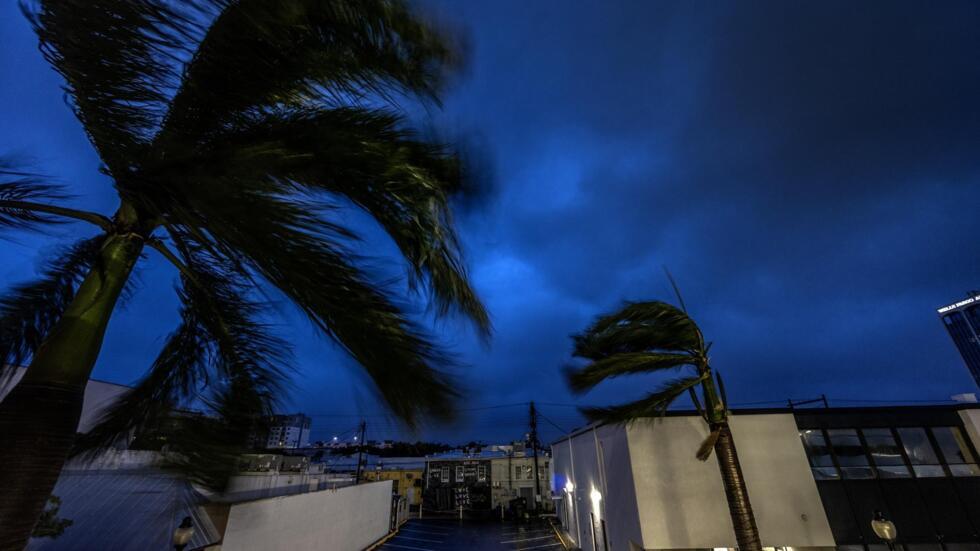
{"points": [[884, 529], [183, 534]]}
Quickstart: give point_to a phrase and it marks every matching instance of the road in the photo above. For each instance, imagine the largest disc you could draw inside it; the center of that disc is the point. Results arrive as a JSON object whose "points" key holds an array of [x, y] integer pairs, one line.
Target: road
{"points": [[469, 535]]}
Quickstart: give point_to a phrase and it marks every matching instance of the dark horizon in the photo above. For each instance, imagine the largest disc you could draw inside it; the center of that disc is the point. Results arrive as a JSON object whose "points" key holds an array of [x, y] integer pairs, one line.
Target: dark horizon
{"points": [[806, 173]]}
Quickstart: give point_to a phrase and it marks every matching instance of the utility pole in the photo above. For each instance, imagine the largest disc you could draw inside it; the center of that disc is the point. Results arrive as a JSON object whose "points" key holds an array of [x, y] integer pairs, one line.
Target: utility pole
{"points": [[360, 448], [534, 452]]}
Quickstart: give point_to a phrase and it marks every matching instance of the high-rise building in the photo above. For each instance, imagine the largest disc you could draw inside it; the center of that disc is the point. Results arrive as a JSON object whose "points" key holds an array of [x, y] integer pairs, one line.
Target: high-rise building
{"points": [[285, 431], [962, 320]]}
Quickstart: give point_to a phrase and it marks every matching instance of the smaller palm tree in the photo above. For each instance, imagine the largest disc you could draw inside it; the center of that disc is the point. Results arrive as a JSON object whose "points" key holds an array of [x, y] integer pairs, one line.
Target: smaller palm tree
{"points": [[646, 337]]}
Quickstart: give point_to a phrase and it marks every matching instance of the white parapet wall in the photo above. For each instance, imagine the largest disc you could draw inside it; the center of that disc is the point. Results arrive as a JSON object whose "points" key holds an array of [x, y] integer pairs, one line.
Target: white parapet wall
{"points": [[345, 519]]}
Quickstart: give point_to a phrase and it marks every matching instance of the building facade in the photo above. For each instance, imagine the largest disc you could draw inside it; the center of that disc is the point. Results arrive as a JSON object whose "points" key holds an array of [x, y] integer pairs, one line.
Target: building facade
{"points": [[406, 482], [463, 482], [512, 477], [284, 432], [962, 321], [815, 480]]}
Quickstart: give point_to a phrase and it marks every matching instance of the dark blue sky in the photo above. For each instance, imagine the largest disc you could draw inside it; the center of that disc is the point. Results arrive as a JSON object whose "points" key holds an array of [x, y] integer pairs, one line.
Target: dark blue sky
{"points": [[808, 171]]}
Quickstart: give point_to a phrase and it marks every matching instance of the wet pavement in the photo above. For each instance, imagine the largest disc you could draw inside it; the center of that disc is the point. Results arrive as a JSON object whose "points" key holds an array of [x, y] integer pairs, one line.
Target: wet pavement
{"points": [[471, 535]]}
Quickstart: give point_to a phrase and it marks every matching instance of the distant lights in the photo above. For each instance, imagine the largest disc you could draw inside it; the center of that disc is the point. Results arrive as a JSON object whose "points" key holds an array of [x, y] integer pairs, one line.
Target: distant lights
{"points": [[596, 496], [569, 487]]}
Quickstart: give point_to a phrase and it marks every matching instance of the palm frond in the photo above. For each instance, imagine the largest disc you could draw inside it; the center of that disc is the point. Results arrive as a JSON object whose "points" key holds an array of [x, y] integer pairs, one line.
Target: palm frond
{"points": [[28, 311], [639, 327], [284, 245], [653, 405], [219, 347], [260, 54], [18, 187], [365, 156], [118, 61], [626, 363]]}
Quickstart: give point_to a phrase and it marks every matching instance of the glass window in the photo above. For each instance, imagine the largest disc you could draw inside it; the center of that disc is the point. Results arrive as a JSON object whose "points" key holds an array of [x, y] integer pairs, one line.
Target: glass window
{"points": [[445, 474], [967, 469], [816, 448], [885, 453], [459, 473], [481, 473], [917, 446], [953, 445], [517, 472], [850, 453]]}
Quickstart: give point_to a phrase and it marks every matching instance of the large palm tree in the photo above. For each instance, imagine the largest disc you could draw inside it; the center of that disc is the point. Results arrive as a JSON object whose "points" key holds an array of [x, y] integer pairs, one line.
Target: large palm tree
{"points": [[646, 337], [232, 131]]}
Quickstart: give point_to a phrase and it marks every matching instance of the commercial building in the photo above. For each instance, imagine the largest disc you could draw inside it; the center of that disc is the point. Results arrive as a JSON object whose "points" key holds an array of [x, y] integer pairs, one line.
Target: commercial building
{"points": [[962, 321], [815, 478], [405, 482], [488, 479], [285, 432]]}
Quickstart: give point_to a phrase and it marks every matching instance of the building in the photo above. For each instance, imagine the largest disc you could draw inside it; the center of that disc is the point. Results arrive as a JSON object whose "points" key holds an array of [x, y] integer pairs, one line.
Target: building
{"points": [[512, 477], [962, 321], [284, 432], [458, 481], [815, 479], [405, 482], [487, 480]]}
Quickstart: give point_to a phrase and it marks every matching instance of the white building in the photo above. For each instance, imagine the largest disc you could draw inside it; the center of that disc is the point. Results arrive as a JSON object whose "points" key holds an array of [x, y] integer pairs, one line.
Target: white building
{"points": [[639, 486], [286, 431]]}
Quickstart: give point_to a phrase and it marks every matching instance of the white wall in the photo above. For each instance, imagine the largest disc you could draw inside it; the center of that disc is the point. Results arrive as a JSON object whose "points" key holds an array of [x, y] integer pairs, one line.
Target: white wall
{"points": [[346, 519], [677, 492], [971, 421], [657, 494]]}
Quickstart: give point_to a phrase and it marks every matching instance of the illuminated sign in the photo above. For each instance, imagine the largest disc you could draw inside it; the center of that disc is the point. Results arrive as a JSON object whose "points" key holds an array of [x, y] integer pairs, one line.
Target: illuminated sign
{"points": [[959, 304]]}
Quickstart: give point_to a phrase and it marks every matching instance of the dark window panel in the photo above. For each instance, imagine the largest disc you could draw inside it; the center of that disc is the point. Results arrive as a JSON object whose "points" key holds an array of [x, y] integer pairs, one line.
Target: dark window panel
{"points": [[882, 446], [847, 447], [917, 446], [816, 448], [953, 445]]}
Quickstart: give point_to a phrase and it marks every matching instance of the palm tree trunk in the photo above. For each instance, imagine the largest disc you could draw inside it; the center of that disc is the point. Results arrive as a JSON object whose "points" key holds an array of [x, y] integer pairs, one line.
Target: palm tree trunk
{"points": [[743, 520], [39, 417]]}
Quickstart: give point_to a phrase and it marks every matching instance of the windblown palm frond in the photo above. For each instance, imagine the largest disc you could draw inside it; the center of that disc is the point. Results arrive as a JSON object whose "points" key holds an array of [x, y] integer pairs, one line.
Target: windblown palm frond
{"points": [[117, 59], [233, 131], [626, 363], [18, 187], [28, 311], [653, 405], [639, 327], [219, 351]]}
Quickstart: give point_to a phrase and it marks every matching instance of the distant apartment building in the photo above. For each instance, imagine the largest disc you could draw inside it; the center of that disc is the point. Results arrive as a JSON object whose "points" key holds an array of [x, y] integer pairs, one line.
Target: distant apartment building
{"points": [[962, 321], [284, 432], [815, 477]]}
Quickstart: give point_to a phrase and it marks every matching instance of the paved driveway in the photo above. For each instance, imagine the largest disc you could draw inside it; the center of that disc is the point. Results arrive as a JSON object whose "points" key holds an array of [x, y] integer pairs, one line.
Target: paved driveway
{"points": [[468, 535]]}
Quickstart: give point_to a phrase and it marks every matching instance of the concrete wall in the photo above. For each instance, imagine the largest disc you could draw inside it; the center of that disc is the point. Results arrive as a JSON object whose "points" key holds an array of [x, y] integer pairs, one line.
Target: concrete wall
{"points": [[971, 421], [346, 519], [653, 491]]}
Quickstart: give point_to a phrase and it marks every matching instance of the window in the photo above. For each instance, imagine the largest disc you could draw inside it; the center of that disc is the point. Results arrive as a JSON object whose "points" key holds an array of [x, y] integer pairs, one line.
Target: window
{"points": [[819, 454], [517, 472], [956, 451], [850, 453], [885, 453], [445, 474], [459, 473], [925, 463], [481, 473]]}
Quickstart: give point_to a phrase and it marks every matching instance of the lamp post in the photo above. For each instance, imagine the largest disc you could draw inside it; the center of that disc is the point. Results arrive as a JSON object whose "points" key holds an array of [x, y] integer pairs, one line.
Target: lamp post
{"points": [[884, 529], [183, 534]]}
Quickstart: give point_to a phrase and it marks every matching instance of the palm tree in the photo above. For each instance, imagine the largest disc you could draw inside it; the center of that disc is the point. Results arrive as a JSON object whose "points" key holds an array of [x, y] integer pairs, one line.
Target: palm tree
{"points": [[646, 337], [232, 131]]}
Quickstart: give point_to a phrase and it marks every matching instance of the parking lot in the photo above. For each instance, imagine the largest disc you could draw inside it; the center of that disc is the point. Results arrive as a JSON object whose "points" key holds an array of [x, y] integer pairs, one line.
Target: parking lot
{"points": [[469, 535]]}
